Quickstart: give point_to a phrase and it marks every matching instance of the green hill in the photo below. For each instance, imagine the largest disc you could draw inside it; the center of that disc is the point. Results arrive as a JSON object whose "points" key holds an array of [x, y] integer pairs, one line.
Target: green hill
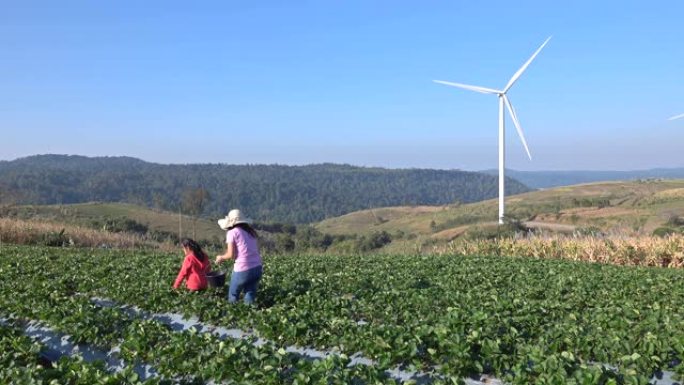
{"points": [[268, 193]]}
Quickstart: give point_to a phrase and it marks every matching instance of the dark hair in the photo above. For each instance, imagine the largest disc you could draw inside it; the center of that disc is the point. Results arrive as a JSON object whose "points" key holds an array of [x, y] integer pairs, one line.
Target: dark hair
{"points": [[249, 229], [195, 248]]}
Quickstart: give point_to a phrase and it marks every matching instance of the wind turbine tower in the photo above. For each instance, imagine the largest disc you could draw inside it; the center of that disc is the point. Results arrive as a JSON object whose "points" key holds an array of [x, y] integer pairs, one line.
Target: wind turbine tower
{"points": [[503, 100]]}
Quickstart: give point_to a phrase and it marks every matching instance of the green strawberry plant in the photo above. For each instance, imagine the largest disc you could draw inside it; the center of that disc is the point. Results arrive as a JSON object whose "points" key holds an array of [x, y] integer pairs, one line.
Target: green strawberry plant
{"points": [[521, 320]]}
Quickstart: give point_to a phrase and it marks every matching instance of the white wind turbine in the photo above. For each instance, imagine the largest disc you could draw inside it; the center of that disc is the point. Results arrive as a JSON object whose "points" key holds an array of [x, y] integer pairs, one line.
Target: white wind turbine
{"points": [[503, 99], [676, 117]]}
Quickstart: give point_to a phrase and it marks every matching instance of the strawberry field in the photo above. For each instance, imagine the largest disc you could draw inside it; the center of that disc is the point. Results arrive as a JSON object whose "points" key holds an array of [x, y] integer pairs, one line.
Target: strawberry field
{"points": [[446, 318]]}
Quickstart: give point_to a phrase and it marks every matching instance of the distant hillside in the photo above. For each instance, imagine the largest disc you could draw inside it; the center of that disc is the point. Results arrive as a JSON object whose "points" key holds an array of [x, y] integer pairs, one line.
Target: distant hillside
{"points": [[298, 194], [547, 179], [619, 207]]}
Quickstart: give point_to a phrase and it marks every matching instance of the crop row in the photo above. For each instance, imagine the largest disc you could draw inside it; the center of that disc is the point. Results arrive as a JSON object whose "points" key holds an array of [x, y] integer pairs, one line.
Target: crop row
{"points": [[522, 320], [632, 251]]}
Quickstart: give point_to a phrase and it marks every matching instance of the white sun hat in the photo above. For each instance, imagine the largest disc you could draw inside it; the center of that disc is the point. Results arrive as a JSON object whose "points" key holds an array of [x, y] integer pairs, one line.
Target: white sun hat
{"points": [[233, 218]]}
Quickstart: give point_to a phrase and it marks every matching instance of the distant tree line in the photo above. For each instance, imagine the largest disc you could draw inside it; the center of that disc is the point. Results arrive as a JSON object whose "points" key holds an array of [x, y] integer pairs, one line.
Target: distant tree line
{"points": [[290, 194]]}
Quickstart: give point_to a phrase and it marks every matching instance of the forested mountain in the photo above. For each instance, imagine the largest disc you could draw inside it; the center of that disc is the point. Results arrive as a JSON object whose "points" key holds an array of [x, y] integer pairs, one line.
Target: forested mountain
{"points": [[548, 179], [296, 194]]}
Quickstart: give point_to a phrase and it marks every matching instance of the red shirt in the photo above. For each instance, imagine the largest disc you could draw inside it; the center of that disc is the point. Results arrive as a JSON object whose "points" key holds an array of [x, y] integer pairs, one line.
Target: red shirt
{"points": [[195, 271]]}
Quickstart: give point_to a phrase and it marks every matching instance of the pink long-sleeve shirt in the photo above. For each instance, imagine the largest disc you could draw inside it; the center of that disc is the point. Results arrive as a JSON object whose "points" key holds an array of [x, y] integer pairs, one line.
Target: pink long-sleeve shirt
{"points": [[246, 249]]}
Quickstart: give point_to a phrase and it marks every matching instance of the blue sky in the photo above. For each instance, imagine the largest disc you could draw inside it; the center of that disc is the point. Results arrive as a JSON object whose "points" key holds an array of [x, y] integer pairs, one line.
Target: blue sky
{"points": [[343, 81]]}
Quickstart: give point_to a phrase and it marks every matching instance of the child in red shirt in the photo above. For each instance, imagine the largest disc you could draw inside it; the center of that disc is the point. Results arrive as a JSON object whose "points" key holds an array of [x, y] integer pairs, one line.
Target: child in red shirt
{"points": [[195, 266]]}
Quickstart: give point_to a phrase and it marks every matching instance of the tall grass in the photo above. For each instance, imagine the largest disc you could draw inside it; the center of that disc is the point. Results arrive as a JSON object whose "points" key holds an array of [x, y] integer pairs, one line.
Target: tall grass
{"points": [[28, 232], [633, 251]]}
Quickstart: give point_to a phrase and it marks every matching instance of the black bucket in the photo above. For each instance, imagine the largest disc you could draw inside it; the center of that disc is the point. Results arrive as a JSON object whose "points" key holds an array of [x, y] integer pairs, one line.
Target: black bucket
{"points": [[216, 278]]}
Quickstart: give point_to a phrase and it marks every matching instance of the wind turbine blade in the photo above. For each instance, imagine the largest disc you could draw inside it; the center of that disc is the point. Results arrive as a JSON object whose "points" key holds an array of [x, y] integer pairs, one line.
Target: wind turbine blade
{"points": [[524, 67], [469, 87], [514, 117], [676, 117]]}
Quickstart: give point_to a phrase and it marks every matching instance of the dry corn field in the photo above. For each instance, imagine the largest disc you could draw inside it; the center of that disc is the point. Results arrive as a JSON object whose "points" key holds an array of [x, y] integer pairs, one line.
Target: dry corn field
{"points": [[23, 232], [633, 251]]}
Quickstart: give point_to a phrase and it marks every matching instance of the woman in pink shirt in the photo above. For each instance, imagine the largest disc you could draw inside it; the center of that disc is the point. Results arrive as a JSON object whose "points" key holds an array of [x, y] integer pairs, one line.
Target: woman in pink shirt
{"points": [[241, 245]]}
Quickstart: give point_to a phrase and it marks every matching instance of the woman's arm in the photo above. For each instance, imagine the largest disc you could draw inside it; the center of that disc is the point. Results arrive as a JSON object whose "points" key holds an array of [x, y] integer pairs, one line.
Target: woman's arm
{"points": [[229, 254]]}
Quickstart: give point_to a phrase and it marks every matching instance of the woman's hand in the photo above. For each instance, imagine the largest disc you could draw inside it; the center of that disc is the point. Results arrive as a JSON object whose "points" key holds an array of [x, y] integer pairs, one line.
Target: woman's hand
{"points": [[229, 254]]}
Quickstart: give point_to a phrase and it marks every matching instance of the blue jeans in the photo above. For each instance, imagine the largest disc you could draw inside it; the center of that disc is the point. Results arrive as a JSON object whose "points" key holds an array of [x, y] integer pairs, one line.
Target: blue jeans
{"points": [[248, 281]]}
